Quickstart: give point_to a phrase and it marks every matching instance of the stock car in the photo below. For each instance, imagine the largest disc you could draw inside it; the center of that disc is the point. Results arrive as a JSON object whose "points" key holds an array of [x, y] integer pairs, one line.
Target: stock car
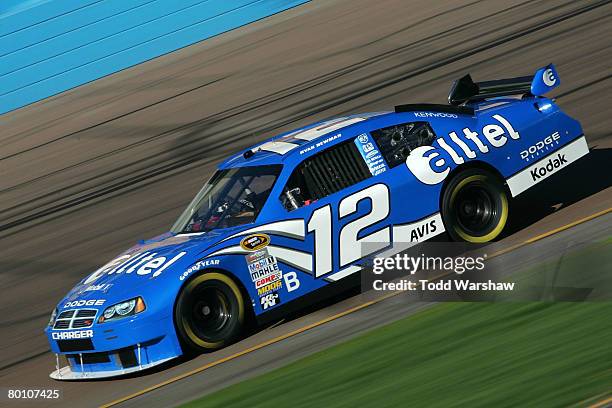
{"points": [[283, 223]]}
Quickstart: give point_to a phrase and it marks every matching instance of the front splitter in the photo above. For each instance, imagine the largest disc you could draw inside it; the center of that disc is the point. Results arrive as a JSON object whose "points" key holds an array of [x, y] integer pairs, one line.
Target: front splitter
{"points": [[67, 374]]}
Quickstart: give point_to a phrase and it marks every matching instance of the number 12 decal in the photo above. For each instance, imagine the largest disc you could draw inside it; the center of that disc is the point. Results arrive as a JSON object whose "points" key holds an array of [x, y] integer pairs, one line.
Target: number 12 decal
{"points": [[352, 248]]}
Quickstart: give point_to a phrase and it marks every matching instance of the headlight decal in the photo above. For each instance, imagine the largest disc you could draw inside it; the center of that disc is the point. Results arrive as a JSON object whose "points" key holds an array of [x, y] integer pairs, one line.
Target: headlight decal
{"points": [[123, 309], [53, 317], [109, 312]]}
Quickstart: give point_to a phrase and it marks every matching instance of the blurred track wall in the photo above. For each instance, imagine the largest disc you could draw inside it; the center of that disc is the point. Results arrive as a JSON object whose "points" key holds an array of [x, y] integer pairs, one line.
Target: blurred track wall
{"points": [[49, 46]]}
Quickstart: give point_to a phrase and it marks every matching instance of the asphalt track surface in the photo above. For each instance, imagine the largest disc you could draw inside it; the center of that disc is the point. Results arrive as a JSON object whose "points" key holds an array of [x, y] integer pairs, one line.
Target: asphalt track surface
{"points": [[85, 174]]}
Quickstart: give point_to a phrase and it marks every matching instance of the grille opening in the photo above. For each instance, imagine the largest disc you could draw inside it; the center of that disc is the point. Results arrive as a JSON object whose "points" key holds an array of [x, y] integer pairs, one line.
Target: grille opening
{"points": [[75, 345], [86, 313], [66, 315], [61, 324], [82, 323], [91, 358], [127, 357], [76, 319]]}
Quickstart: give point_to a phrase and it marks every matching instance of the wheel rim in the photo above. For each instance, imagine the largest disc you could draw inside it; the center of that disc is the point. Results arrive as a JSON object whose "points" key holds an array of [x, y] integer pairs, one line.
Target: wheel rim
{"points": [[209, 313], [476, 210]]}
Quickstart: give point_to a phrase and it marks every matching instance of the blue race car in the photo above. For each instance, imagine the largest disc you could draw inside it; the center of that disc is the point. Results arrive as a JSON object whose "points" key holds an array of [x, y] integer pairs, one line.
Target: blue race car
{"points": [[286, 222]]}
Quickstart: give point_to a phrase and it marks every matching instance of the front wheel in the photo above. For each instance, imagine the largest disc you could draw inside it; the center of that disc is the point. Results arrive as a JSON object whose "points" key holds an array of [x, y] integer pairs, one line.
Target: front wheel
{"points": [[209, 312], [474, 206]]}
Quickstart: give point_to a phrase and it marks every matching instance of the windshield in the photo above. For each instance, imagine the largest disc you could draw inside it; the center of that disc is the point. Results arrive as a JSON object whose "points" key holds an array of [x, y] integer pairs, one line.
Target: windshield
{"points": [[232, 197]]}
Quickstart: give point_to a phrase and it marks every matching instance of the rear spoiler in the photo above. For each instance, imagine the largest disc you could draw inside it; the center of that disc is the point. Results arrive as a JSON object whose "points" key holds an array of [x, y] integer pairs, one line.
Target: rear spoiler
{"points": [[466, 90]]}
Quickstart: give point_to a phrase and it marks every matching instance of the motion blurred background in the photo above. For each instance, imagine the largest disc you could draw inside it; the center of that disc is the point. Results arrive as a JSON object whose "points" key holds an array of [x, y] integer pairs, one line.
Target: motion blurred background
{"points": [[113, 114]]}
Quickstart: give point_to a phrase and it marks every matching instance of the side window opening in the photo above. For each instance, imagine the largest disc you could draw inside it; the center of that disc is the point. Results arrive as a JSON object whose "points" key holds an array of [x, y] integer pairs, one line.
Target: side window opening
{"points": [[325, 173], [396, 142], [232, 197]]}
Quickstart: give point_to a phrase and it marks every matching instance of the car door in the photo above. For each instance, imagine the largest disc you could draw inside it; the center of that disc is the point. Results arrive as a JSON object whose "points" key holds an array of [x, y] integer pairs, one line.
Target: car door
{"points": [[344, 206]]}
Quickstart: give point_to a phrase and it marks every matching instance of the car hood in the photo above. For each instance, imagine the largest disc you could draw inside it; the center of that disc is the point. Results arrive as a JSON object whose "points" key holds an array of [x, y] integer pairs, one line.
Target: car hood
{"points": [[150, 265]]}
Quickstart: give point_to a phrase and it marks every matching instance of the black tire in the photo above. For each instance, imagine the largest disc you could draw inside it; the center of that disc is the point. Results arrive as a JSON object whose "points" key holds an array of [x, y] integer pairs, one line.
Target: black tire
{"points": [[474, 206], [209, 312]]}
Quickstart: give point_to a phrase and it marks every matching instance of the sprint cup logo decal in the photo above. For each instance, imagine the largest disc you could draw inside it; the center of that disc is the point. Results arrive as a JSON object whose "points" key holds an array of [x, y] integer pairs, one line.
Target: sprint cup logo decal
{"points": [[431, 164], [255, 242]]}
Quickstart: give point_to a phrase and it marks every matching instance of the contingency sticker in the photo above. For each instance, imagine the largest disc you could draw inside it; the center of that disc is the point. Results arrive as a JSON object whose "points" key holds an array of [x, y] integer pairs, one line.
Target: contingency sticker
{"points": [[255, 242], [264, 272], [371, 155]]}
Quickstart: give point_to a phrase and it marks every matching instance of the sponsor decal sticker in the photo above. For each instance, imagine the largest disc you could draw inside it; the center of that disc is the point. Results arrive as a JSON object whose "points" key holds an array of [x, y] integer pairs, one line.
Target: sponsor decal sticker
{"points": [[371, 155], [264, 271], [262, 264], [435, 115], [541, 146], [79, 303], [82, 334], [144, 263], [551, 165], [418, 231], [270, 287], [321, 143], [255, 242], [104, 287], [549, 77], [547, 166], [431, 164], [256, 256], [274, 277], [423, 230], [270, 300], [198, 266]]}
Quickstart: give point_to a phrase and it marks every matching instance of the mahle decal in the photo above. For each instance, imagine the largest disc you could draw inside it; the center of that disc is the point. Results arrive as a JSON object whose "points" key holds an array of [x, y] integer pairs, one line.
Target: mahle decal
{"points": [[429, 164]]}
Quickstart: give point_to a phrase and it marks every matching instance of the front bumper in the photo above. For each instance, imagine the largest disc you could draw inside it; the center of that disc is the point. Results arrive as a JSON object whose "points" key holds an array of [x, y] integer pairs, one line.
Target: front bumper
{"points": [[115, 348], [70, 373]]}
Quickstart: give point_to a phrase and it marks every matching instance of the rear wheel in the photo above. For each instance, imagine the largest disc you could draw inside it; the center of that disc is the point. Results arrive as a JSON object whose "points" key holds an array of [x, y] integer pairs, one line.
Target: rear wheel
{"points": [[475, 206], [209, 312]]}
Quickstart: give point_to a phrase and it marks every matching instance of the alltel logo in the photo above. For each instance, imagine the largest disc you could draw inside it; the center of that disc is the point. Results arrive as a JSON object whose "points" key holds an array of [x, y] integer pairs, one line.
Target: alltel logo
{"points": [[549, 77], [430, 164]]}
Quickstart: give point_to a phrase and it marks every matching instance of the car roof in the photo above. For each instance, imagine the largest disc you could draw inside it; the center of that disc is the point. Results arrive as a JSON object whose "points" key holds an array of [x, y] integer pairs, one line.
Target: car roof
{"points": [[295, 145], [289, 145]]}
